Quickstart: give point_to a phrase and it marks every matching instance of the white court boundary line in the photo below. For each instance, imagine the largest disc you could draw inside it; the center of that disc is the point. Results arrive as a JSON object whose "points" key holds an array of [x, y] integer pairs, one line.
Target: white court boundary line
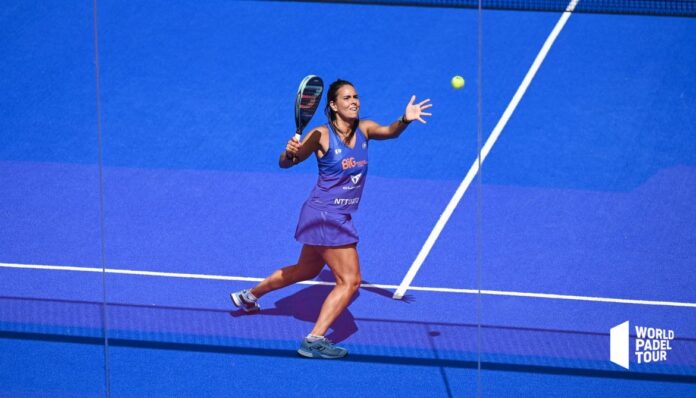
{"points": [[473, 171], [416, 288]]}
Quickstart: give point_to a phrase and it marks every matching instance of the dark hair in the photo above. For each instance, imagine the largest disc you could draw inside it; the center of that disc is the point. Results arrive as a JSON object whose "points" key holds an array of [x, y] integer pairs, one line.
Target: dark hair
{"points": [[331, 96]]}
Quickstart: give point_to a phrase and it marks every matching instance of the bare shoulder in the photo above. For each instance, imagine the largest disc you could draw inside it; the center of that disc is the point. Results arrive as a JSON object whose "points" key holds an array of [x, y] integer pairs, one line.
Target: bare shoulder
{"points": [[320, 136], [366, 125], [322, 129]]}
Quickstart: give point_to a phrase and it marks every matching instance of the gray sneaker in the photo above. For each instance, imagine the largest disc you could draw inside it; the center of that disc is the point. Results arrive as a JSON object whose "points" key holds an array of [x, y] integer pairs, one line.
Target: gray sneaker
{"points": [[240, 300], [321, 349]]}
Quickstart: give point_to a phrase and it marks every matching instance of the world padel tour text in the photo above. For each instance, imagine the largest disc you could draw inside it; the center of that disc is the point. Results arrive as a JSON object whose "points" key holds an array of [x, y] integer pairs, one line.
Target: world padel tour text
{"points": [[653, 344]]}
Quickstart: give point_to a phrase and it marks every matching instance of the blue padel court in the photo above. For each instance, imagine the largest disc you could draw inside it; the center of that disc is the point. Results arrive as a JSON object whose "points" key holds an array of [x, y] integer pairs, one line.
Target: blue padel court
{"points": [[544, 204]]}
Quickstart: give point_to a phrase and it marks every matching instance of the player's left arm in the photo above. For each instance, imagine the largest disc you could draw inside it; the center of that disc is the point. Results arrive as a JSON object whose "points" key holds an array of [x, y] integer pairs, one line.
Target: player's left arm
{"points": [[414, 111]]}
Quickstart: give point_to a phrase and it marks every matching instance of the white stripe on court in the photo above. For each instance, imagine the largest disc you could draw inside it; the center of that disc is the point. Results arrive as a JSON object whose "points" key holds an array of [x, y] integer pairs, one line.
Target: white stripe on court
{"points": [[474, 169], [380, 286]]}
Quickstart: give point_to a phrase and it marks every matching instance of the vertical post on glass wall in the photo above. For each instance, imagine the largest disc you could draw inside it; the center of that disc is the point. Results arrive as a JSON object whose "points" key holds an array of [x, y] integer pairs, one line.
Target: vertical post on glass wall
{"points": [[479, 193], [104, 308]]}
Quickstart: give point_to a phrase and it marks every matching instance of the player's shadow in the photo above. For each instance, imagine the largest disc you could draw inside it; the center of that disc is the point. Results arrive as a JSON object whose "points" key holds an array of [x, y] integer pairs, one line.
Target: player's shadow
{"points": [[306, 304]]}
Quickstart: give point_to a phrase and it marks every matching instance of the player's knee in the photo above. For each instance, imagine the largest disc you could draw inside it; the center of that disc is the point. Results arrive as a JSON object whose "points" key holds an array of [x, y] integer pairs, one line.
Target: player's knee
{"points": [[352, 282]]}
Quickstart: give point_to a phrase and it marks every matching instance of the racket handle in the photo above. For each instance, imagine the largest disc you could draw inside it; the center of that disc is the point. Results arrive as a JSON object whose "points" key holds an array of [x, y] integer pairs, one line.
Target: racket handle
{"points": [[296, 138]]}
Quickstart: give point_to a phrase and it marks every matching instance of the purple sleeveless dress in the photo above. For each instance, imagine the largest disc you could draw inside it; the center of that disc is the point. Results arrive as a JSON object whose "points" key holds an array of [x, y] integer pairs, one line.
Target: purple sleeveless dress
{"points": [[325, 219]]}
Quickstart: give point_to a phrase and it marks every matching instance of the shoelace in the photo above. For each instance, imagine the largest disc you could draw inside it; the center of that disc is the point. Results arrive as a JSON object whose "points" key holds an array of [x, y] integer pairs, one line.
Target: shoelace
{"points": [[323, 340]]}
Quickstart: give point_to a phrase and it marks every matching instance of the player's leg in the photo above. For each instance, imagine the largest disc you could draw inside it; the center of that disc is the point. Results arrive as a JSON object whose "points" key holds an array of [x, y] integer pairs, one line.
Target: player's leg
{"points": [[345, 265], [308, 266]]}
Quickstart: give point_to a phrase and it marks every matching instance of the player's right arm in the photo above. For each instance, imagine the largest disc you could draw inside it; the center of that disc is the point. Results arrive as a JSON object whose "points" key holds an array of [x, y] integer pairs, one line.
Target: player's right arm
{"points": [[297, 152]]}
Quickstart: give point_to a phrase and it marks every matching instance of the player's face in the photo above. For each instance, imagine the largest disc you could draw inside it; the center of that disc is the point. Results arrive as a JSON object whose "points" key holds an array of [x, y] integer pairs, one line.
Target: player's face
{"points": [[347, 103]]}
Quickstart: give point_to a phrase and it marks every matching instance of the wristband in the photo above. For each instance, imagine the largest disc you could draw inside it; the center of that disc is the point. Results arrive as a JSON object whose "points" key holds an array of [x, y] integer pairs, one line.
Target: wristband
{"points": [[404, 121]]}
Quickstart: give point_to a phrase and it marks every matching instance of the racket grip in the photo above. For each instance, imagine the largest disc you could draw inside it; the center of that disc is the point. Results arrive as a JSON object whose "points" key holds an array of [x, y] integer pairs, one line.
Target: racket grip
{"points": [[296, 138]]}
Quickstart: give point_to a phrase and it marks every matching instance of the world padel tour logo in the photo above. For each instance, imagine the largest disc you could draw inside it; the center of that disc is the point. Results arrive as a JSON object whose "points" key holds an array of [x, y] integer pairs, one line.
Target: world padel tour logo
{"points": [[651, 344]]}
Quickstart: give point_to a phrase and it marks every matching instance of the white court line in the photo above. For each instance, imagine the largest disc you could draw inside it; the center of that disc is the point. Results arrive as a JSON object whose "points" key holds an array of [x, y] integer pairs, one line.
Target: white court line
{"points": [[473, 171], [416, 288]]}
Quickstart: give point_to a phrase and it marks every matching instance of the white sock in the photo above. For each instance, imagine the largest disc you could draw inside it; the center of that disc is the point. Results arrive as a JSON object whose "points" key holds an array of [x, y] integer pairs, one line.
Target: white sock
{"points": [[312, 338]]}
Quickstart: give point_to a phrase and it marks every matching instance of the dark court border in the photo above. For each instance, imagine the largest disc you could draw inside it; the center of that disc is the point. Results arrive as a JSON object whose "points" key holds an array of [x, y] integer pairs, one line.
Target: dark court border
{"points": [[359, 358], [658, 8]]}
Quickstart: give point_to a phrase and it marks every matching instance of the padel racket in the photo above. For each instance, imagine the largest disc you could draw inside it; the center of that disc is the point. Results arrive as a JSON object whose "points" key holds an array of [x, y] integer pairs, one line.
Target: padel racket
{"points": [[306, 102]]}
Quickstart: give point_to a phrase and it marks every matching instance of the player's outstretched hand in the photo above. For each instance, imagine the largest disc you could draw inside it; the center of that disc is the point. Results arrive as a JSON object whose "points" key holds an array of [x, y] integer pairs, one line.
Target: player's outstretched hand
{"points": [[415, 111]]}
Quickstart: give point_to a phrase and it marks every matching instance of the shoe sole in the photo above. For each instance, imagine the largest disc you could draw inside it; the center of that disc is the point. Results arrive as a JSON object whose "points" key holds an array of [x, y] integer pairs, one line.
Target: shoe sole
{"points": [[309, 354]]}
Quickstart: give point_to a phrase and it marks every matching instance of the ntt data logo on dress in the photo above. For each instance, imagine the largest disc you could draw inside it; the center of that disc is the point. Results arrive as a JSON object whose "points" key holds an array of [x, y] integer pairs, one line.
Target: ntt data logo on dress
{"points": [[650, 345]]}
